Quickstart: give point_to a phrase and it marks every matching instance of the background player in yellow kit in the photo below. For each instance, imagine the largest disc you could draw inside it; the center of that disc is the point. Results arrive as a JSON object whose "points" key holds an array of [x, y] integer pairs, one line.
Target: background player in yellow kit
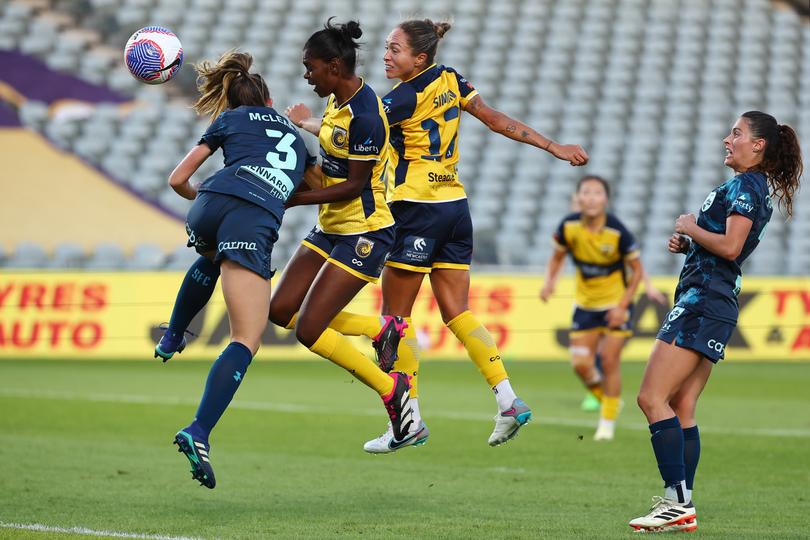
{"points": [[434, 229], [601, 247]]}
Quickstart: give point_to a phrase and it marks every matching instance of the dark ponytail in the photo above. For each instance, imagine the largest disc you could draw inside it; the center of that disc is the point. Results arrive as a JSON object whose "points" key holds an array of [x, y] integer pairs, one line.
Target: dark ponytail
{"points": [[782, 162], [424, 35], [336, 41]]}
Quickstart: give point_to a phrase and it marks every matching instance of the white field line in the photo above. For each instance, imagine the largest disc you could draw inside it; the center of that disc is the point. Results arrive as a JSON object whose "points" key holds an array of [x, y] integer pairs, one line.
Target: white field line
{"points": [[83, 531], [296, 408]]}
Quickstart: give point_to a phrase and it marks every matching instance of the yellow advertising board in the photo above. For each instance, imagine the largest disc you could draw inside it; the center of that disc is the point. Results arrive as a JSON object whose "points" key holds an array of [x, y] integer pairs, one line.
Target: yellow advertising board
{"points": [[115, 316]]}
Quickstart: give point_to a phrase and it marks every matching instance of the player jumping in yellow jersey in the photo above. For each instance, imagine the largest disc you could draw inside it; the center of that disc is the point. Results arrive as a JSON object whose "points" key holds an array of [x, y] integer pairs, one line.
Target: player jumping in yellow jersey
{"points": [[434, 229], [355, 230], [601, 247]]}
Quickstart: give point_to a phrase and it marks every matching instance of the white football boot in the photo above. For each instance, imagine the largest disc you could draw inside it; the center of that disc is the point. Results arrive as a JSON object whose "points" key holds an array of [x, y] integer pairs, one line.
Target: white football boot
{"points": [[667, 516]]}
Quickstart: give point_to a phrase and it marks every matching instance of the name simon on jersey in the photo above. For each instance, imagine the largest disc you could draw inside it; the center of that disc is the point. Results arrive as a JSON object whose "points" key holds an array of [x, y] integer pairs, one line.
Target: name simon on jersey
{"points": [[270, 118], [443, 99]]}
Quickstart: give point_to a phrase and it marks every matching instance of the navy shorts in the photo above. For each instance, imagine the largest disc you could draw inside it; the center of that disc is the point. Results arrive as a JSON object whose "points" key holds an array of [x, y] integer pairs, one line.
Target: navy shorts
{"points": [[596, 321], [362, 255], [695, 331], [432, 235], [235, 229]]}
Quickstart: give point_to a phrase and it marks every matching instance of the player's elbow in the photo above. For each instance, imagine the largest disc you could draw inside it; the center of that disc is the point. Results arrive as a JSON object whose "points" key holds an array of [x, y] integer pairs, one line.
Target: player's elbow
{"points": [[731, 253]]}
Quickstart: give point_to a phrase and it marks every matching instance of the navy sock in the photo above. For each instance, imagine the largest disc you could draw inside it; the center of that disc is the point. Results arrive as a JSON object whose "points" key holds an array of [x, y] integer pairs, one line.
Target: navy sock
{"points": [[194, 293], [223, 381], [667, 443], [691, 453]]}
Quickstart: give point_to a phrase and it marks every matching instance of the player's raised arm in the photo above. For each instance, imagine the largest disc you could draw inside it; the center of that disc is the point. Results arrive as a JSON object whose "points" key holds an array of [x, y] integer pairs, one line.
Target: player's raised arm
{"points": [[516, 130], [301, 115]]}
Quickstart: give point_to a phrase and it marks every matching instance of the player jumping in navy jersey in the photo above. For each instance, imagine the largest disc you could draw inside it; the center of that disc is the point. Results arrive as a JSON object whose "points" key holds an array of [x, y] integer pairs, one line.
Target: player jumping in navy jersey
{"points": [[233, 224], [766, 157]]}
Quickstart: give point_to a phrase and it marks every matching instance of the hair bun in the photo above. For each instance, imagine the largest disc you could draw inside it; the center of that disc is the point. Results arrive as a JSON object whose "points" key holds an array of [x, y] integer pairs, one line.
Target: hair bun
{"points": [[352, 29], [441, 28]]}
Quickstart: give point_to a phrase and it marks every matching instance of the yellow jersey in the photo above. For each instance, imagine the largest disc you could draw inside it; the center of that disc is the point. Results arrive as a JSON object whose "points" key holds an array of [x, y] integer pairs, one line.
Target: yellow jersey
{"points": [[424, 114], [354, 130], [599, 258]]}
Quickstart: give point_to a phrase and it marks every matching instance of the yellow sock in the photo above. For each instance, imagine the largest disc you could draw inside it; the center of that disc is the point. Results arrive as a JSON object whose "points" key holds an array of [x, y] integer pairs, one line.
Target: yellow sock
{"points": [[597, 392], [335, 347], [480, 347], [291, 324], [352, 324], [610, 407], [408, 356]]}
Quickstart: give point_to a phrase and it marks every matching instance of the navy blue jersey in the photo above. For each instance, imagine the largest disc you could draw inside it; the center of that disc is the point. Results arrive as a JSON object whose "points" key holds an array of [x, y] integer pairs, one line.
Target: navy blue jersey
{"points": [[264, 155], [710, 284]]}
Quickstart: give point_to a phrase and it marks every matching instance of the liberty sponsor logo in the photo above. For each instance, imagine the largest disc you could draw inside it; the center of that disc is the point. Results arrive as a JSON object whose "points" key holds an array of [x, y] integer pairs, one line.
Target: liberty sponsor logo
{"points": [[708, 202], [339, 137], [363, 247], [743, 203], [367, 146], [250, 246]]}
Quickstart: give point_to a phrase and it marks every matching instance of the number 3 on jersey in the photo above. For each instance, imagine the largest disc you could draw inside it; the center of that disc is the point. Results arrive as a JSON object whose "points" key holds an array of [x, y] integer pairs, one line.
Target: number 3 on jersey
{"points": [[284, 145], [434, 136]]}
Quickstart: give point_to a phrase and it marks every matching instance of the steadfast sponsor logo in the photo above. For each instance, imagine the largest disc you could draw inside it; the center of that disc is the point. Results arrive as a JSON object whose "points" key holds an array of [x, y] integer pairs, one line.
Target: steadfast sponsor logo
{"points": [[434, 177], [249, 246]]}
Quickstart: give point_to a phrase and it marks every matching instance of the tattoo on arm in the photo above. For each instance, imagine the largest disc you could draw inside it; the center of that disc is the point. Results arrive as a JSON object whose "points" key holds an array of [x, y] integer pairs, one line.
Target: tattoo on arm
{"points": [[511, 128], [525, 134]]}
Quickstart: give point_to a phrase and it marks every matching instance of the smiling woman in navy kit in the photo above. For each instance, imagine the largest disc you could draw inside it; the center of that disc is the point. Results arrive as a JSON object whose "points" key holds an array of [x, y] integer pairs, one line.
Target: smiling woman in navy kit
{"points": [[766, 157]]}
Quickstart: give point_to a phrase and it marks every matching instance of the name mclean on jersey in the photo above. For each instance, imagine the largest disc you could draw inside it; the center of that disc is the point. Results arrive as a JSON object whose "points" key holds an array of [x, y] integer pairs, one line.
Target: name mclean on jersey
{"points": [[271, 118]]}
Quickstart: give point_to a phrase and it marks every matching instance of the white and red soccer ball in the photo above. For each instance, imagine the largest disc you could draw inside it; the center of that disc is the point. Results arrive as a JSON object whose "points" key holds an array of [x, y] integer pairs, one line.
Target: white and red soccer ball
{"points": [[153, 55]]}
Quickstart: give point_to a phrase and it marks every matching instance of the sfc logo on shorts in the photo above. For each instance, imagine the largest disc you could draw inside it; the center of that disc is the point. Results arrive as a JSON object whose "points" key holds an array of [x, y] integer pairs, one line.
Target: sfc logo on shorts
{"points": [[363, 247]]}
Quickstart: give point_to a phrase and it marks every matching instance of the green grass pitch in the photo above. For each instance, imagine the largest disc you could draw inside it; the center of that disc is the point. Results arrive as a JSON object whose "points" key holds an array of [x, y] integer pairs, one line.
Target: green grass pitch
{"points": [[88, 444]]}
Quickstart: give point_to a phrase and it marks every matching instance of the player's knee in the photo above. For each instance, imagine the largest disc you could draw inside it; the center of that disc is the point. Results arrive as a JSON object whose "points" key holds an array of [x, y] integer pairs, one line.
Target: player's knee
{"points": [[646, 401], [307, 334], [684, 408], [280, 314]]}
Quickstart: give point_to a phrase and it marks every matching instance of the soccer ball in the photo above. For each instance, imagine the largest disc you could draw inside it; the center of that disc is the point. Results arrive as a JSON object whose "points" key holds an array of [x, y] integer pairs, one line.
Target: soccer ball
{"points": [[153, 55]]}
